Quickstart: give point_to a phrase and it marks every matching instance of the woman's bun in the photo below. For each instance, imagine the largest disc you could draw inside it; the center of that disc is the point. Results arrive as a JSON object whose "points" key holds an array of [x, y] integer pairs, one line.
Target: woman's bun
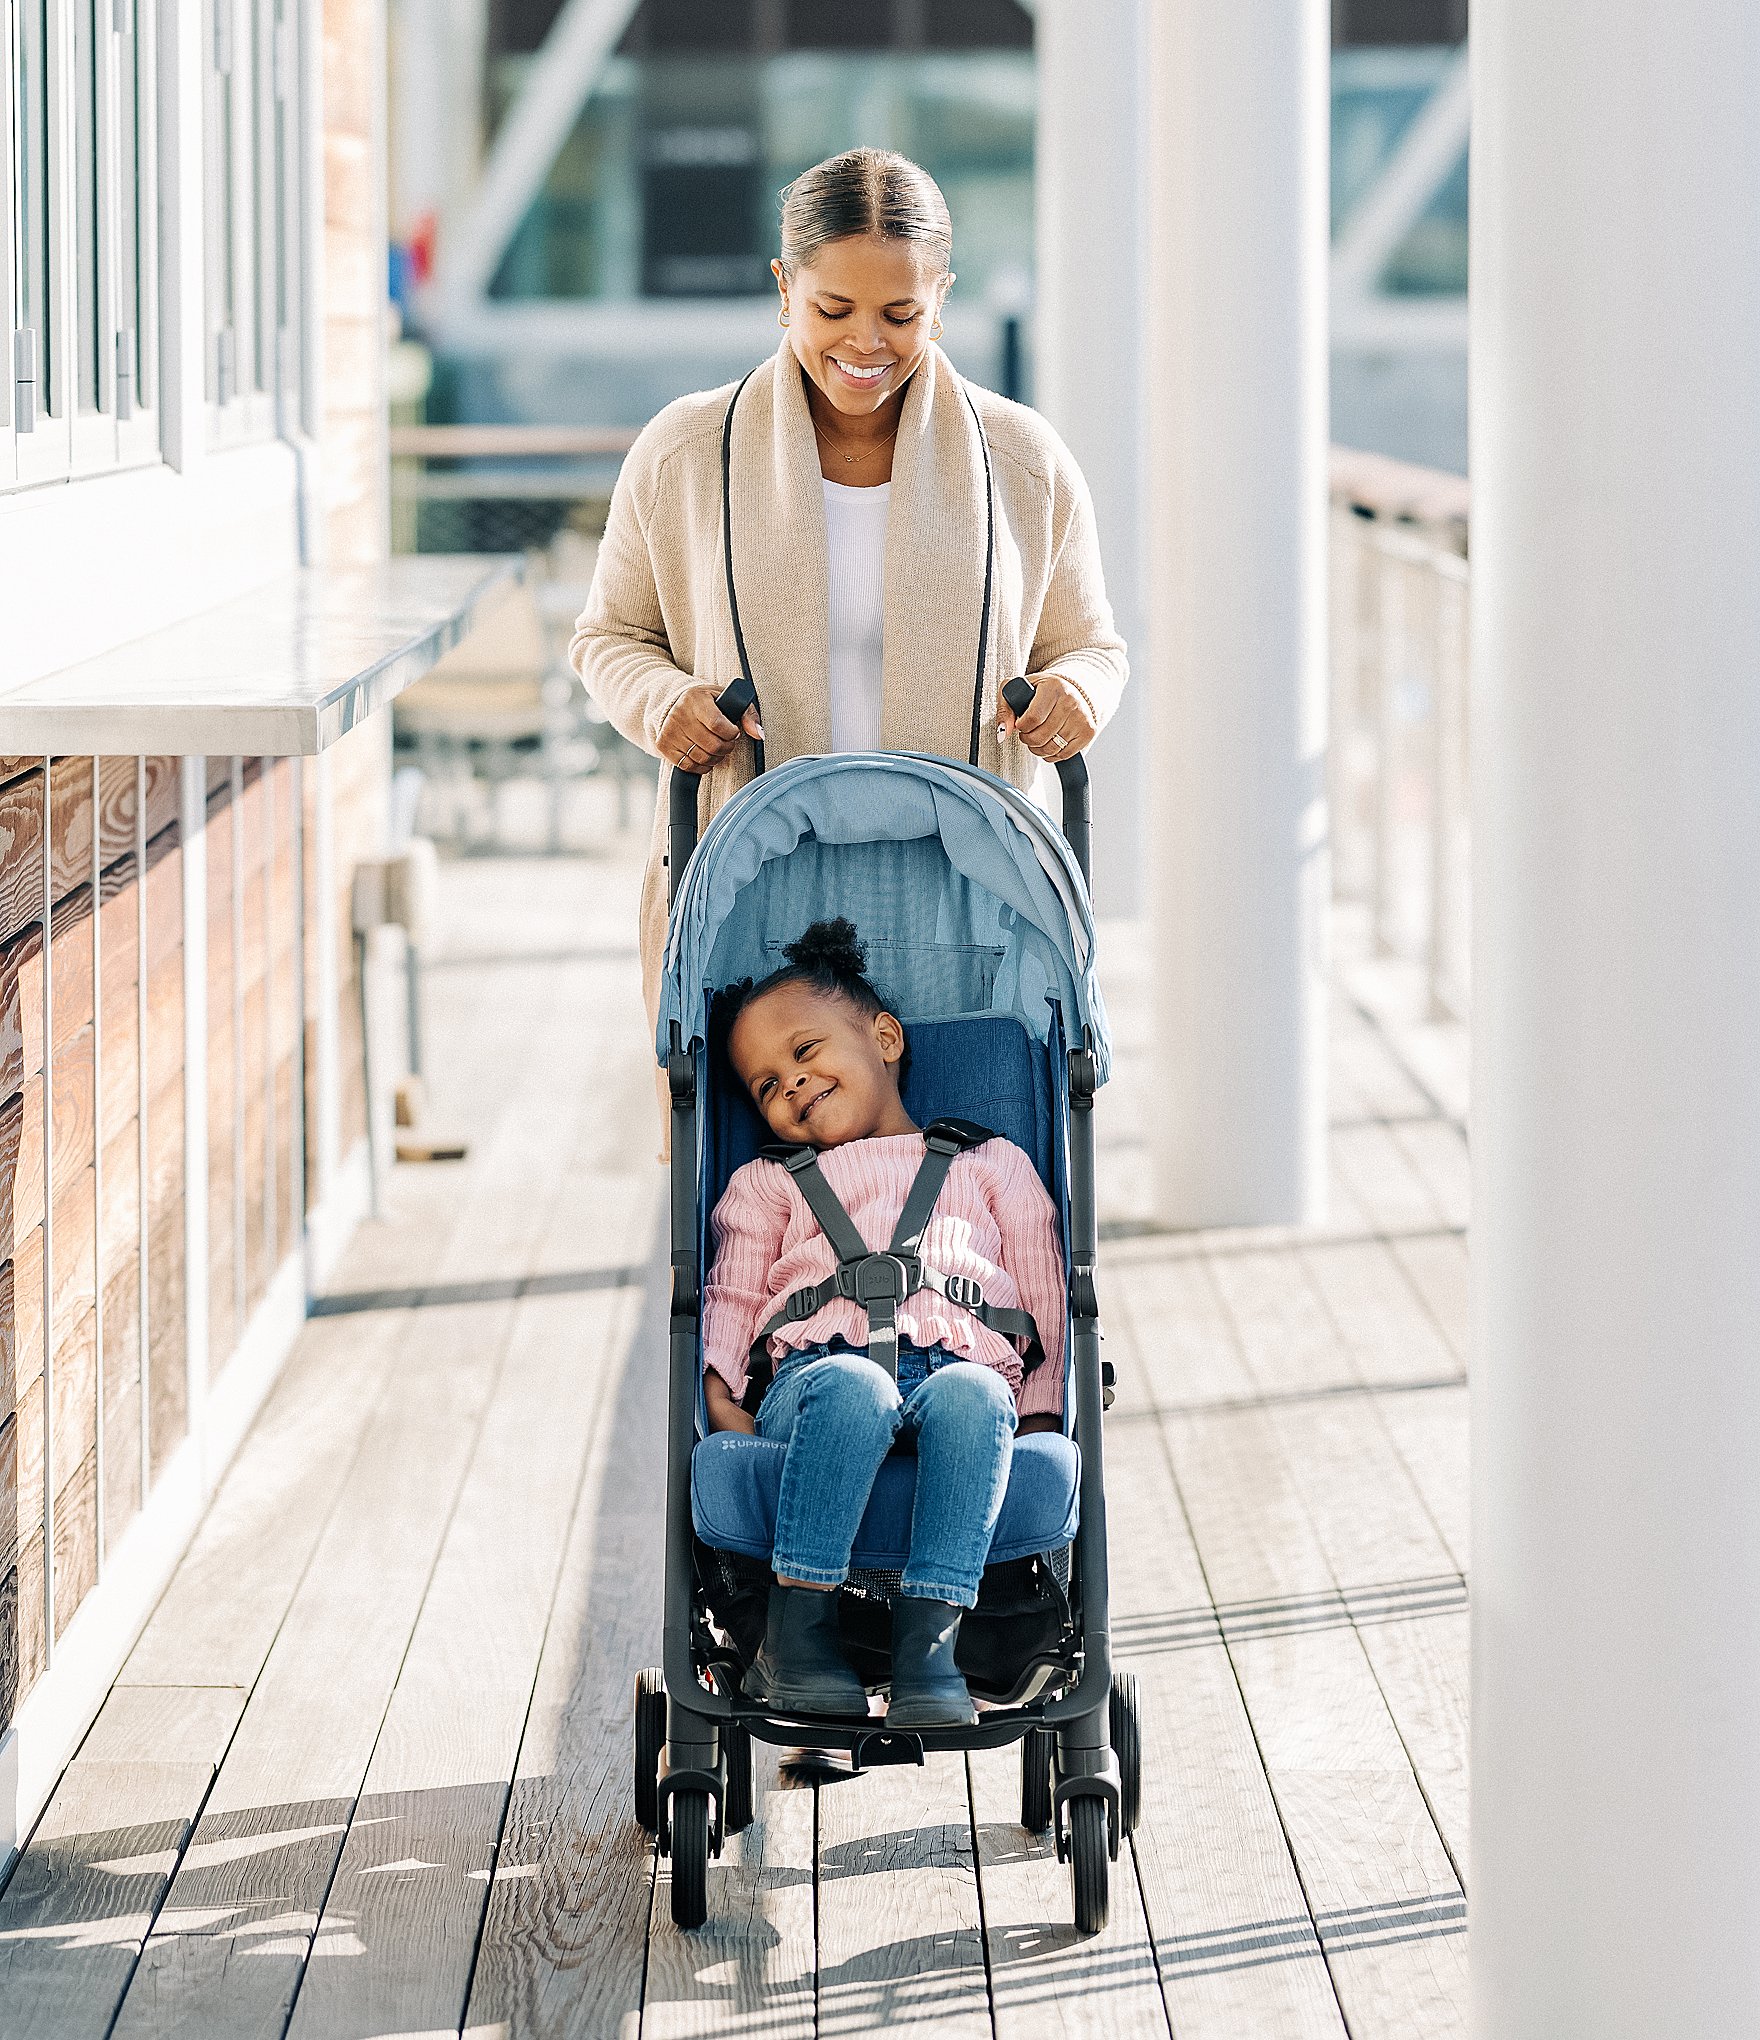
{"points": [[832, 947]]}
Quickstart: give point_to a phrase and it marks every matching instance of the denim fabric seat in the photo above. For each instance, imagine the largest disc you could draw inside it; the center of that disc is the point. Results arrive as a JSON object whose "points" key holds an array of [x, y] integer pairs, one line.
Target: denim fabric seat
{"points": [[735, 1479]]}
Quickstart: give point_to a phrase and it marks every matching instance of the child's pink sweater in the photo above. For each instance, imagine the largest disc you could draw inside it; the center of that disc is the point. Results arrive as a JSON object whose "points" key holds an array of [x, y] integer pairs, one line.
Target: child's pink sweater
{"points": [[993, 1220]]}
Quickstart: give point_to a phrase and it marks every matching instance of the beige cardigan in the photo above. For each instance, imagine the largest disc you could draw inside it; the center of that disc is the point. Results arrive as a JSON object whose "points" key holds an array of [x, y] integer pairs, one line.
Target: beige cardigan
{"points": [[656, 621]]}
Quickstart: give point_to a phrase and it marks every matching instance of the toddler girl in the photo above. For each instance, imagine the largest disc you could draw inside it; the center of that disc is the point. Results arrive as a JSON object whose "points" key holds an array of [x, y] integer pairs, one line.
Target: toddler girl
{"points": [[822, 1059]]}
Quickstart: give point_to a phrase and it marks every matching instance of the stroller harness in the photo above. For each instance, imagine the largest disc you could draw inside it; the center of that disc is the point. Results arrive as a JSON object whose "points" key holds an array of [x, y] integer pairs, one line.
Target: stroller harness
{"points": [[879, 1280]]}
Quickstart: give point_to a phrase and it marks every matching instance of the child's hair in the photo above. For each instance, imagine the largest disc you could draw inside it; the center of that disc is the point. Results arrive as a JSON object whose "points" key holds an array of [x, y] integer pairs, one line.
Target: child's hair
{"points": [[831, 957]]}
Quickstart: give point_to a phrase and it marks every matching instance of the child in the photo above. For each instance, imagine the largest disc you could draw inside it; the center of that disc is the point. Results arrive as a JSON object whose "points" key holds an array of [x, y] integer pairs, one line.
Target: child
{"points": [[822, 1060]]}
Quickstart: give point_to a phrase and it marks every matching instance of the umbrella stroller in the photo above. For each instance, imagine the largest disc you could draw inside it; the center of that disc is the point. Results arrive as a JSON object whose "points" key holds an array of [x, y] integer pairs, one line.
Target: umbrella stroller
{"points": [[981, 938]]}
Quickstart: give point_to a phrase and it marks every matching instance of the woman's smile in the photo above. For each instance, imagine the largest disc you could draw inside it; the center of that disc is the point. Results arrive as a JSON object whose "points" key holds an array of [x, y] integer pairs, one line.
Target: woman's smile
{"points": [[860, 378]]}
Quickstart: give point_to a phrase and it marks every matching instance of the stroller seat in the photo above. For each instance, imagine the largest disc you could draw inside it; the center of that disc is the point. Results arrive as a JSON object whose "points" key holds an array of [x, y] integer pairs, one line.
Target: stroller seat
{"points": [[984, 1067], [735, 1478]]}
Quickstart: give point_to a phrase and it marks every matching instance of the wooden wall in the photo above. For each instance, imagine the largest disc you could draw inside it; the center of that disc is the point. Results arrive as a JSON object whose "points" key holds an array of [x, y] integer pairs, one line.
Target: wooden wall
{"points": [[94, 1319]]}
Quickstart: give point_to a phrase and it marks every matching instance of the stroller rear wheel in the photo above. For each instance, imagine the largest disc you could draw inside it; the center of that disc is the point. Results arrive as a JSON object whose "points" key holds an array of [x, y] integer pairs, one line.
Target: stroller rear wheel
{"points": [[1036, 1748], [690, 1858], [650, 1739], [1127, 1746], [1090, 1863], [736, 1747]]}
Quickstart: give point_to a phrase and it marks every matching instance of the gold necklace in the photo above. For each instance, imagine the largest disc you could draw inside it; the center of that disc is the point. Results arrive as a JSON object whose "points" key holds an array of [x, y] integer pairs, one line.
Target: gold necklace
{"points": [[850, 459]]}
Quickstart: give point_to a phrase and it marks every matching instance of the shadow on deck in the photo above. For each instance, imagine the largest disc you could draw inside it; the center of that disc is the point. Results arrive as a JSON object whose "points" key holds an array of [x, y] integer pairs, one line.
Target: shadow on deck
{"points": [[366, 1772]]}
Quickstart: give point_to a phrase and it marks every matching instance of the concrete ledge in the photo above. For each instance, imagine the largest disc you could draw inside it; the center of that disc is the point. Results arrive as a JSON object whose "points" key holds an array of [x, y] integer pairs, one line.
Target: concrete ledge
{"points": [[280, 673]]}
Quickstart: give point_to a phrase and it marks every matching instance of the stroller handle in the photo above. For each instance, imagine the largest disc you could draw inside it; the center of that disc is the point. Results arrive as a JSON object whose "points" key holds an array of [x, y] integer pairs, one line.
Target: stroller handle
{"points": [[735, 699], [1072, 777], [681, 813]]}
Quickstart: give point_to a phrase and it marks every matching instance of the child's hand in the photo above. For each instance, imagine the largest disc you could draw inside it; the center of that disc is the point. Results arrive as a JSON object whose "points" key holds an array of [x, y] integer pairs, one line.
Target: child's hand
{"points": [[724, 1413]]}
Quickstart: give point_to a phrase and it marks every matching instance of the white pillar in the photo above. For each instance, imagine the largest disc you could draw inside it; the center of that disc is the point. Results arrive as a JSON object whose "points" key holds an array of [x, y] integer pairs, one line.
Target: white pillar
{"points": [[1236, 370], [1616, 1002], [1088, 355]]}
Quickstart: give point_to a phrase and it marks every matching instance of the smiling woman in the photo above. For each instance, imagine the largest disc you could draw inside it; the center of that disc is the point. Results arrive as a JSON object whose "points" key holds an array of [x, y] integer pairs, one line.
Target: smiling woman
{"points": [[899, 543]]}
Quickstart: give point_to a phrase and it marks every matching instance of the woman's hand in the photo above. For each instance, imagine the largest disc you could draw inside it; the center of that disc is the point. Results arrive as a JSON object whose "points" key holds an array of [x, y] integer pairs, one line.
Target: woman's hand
{"points": [[697, 735], [1057, 723], [724, 1413]]}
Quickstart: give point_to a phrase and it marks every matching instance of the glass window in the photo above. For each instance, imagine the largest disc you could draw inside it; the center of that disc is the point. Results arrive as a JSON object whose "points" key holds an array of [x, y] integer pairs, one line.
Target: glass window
{"points": [[88, 287], [131, 229], [668, 185], [76, 115], [1376, 95], [251, 203], [35, 366], [1430, 259]]}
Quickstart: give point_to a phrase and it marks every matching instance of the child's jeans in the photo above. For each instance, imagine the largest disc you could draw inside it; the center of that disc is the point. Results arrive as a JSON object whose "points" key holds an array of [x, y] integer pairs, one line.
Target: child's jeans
{"points": [[840, 1414]]}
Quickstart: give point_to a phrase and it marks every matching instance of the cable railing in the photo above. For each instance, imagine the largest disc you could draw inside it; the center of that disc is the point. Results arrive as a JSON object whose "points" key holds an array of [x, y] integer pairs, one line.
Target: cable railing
{"points": [[1398, 762]]}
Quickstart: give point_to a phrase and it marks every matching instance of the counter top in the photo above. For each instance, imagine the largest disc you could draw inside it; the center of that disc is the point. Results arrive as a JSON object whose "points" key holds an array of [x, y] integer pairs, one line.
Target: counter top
{"points": [[279, 673]]}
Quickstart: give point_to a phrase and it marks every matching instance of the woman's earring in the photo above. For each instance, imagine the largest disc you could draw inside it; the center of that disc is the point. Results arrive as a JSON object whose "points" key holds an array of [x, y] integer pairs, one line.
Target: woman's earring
{"points": [[782, 316], [935, 330]]}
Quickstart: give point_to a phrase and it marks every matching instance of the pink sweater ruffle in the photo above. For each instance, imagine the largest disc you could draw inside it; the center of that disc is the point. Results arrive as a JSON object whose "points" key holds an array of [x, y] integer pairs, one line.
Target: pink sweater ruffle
{"points": [[993, 1220]]}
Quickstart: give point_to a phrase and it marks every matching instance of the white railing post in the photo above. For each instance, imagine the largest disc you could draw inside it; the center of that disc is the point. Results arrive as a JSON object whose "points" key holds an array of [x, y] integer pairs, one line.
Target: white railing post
{"points": [[1236, 399], [1390, 667]]}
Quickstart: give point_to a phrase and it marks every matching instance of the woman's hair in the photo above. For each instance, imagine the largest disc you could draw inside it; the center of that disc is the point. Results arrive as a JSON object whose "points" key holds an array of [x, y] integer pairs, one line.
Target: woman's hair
{"points": [[831, 957], [863, 191]]}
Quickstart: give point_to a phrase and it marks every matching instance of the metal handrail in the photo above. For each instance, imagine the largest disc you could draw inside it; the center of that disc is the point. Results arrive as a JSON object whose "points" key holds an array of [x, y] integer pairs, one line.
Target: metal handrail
{"points": [[1398, 759], [509, 442]]}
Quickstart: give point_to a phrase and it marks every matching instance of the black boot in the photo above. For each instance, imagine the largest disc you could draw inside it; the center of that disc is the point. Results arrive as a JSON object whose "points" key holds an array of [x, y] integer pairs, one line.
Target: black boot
{"points": [[801, 1668], [927, 1690]]}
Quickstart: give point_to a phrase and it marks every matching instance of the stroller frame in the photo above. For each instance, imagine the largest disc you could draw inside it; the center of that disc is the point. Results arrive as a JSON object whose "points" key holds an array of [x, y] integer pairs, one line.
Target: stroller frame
{"points": [[693, 1803]]}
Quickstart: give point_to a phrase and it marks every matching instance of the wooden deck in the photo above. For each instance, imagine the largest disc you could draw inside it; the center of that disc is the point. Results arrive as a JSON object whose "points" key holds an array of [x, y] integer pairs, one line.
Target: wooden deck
{"points": [[367, 1771]]}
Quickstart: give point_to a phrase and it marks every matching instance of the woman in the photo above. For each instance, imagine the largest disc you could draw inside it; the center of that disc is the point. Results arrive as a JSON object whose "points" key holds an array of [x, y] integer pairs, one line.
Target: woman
{"points": [[903, 542]]}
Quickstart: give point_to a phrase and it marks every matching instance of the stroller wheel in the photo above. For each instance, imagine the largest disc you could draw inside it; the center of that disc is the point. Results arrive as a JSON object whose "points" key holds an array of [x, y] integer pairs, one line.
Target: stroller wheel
{"points": [[690, 1858], [650, 1726], [1127, 1747], [1036, 1748], [736, 1744], [1090, 1863]]}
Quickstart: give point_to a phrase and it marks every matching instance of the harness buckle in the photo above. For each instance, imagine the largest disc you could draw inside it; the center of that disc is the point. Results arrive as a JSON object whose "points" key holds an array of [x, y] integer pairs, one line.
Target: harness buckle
{"points": [[965, 1290], [883, 1278], [800, 1304]]}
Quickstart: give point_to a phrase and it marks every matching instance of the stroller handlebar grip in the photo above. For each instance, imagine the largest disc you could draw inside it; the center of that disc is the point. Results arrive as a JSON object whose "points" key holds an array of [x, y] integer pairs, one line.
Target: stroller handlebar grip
{"points": [[681, 811], [1072, 777]]}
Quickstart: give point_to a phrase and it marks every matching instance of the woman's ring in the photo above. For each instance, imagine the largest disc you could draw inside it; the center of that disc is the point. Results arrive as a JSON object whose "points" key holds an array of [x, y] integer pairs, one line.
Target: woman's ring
{"points": [[1057, 743]]}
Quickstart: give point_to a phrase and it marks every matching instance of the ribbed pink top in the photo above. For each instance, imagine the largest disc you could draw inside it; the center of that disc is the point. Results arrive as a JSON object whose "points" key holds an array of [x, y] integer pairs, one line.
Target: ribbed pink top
{"points": [[993, 1220]]}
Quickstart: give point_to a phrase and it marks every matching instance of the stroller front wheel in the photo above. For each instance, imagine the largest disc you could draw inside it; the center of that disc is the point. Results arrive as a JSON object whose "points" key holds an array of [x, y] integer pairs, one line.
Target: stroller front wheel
{"points": [[736, 1746], [1090, 1863], [690, 1859], [1126, 1723], [1036, 1748], [650, 1740]]}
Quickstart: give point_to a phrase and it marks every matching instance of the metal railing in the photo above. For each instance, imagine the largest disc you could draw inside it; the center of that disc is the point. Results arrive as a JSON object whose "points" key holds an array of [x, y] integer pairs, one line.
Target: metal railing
{"points": [[1398, 762]]}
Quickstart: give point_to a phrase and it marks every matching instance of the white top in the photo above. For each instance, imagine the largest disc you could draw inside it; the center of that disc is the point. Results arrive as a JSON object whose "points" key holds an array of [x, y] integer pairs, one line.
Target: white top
{"points": [[855, 535]]}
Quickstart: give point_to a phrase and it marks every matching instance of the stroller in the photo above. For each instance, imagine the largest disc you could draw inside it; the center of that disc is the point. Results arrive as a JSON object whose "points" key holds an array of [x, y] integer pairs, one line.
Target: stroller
{"points": [[980, 936]]}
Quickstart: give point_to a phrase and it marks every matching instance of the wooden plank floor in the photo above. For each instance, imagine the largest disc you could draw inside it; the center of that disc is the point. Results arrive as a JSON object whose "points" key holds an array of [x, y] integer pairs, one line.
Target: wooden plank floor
{"points": [[367, 1771]]}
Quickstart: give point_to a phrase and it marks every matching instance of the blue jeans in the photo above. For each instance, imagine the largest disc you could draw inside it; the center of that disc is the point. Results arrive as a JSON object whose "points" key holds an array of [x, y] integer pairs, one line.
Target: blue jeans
{"points": [[840, 1413]]}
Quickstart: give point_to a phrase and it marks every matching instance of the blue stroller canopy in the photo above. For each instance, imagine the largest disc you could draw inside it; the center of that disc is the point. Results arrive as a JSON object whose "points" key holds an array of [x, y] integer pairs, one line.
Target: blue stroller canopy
{"points": [[965, 893]]}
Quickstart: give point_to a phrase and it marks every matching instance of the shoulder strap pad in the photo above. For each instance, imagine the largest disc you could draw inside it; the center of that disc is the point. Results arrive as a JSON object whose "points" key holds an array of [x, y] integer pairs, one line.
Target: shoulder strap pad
{"points": [[959, 1133]]}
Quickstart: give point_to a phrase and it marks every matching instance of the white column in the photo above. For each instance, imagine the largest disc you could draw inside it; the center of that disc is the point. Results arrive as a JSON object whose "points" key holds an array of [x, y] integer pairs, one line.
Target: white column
{"points": [[1088, 355], [1236, 372], [1616, 998]]}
